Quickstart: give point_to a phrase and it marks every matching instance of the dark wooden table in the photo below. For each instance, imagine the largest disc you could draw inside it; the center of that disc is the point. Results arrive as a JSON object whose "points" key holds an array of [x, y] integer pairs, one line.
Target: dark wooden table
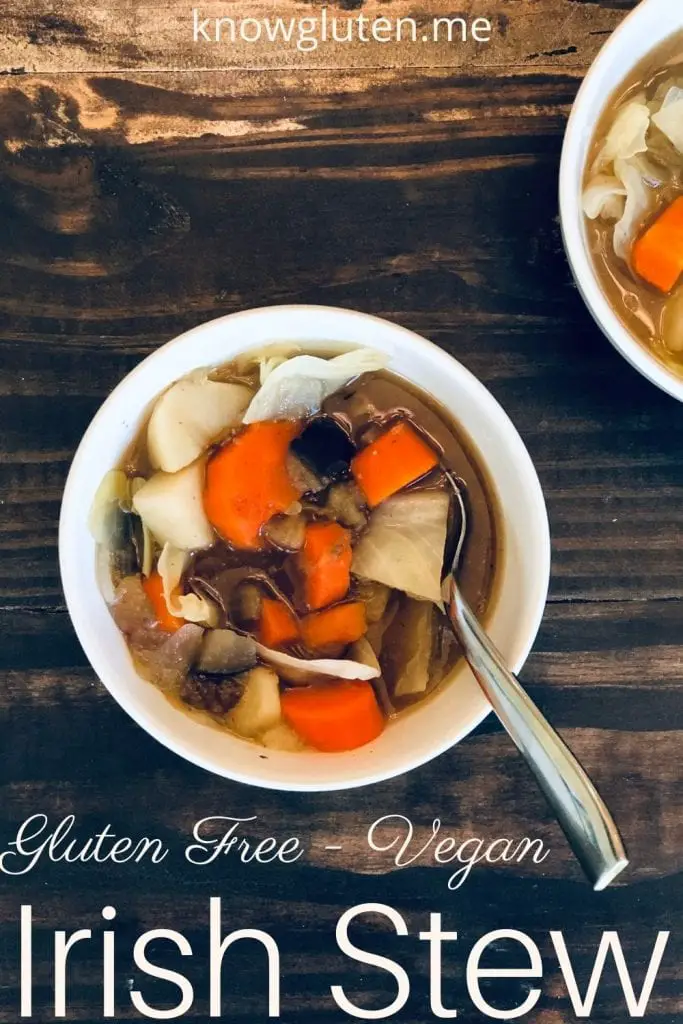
{"points": [[148, 183]]}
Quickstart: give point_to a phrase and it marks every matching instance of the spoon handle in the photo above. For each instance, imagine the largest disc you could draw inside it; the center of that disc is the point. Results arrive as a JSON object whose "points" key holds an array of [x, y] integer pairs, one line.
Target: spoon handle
{"points": [[585, 820]]}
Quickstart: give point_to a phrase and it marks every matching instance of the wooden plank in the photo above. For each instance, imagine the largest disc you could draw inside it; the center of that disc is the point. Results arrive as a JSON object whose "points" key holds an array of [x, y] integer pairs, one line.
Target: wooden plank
{"points": [[372, 193], [113, 35], [578, 674]]}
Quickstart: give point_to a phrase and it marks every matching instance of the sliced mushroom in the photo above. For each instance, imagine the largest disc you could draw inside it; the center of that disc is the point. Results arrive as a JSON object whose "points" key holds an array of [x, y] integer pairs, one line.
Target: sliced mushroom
{"points": [[224, 652], [375, 597], [286, 532], [345, 503], [302, 476], [325, 447]]}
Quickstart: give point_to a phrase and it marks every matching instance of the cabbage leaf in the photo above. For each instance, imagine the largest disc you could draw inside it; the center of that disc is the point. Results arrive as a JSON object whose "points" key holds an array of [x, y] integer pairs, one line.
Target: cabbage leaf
{"points": [[632, 173], [669, 118], [297, 388], [604, 197], [301, 671], [191, 607], [403, 545], [626, 138]]}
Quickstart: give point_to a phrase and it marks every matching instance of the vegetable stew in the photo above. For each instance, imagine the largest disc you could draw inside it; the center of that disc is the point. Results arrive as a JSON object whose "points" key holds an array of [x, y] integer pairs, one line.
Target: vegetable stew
{"points": [[272, 546], [633, 202]]}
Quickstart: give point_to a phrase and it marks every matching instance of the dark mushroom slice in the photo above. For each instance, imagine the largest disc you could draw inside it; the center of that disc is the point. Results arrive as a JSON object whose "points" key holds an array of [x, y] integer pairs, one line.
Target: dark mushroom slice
{"points": [[325, 446], [286, 532], [224, 652], [302, 475], [346, 504]]}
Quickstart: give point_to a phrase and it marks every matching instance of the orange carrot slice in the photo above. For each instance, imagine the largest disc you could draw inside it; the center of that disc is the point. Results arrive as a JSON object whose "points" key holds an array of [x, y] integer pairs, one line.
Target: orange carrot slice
{"points": [[154, 588], [278, 626], [247, 482], [340, 624], [325, 563], [657, 256], [397, 458], [334, 717]]}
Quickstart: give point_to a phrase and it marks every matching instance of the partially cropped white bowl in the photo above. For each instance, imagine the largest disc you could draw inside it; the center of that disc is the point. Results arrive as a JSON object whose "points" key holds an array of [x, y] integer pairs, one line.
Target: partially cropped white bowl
{"points": [[651, 23], [522, 571]]}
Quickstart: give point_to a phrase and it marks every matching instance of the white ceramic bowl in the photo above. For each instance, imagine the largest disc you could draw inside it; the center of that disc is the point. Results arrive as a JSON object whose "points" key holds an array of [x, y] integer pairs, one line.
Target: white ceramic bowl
{"points": [[650, 24], [523, 573]]}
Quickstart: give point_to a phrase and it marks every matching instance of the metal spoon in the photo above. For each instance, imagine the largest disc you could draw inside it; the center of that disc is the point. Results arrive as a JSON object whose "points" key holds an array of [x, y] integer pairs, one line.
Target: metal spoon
{"points": [[582, 814]]}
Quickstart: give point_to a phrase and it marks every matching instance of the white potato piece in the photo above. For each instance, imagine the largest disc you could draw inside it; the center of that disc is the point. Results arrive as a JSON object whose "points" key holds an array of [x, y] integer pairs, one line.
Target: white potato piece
{"points": [[259, 706], [282, 737], [171, 507], [190, 416]]}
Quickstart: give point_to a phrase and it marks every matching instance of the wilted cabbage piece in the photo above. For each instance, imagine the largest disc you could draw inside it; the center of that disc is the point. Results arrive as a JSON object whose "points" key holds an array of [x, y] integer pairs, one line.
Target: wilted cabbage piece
{"points": [[604, 197], [192, 607], [669, 118], [408, 651], [112, 496], [190, 416], [298, 387], [302, 671], [632, 174], [171, 506], [403, 545], [626, 138]]}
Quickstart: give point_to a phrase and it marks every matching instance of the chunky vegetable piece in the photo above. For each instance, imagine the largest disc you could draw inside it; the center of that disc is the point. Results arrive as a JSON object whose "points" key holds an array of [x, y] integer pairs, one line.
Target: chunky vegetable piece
{"points": [[247, 482], [657, 255], [259, 706], [170, 505], [333, 627], [334, 717], [190, 416], [403, 545], [397, 458], [153, 586], [325, 563], [278, 626]]}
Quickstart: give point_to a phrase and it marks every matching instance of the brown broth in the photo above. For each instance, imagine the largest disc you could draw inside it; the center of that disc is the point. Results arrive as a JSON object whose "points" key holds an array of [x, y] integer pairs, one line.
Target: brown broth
{"points": [[640, 307]]}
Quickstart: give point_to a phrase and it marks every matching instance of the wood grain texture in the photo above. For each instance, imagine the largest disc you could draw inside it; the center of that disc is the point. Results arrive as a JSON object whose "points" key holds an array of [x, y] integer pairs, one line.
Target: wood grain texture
{"points": [[116, 35], [147, 184]]}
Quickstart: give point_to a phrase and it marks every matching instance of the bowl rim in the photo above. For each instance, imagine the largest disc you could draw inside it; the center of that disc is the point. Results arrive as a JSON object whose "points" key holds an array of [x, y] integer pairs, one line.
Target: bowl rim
{"points": [[572, 221], [94, 649]]}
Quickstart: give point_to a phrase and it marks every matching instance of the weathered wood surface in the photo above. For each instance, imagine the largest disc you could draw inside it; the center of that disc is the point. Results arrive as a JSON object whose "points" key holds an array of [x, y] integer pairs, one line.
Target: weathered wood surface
{"points": [[147, 184], [123, 34]]}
